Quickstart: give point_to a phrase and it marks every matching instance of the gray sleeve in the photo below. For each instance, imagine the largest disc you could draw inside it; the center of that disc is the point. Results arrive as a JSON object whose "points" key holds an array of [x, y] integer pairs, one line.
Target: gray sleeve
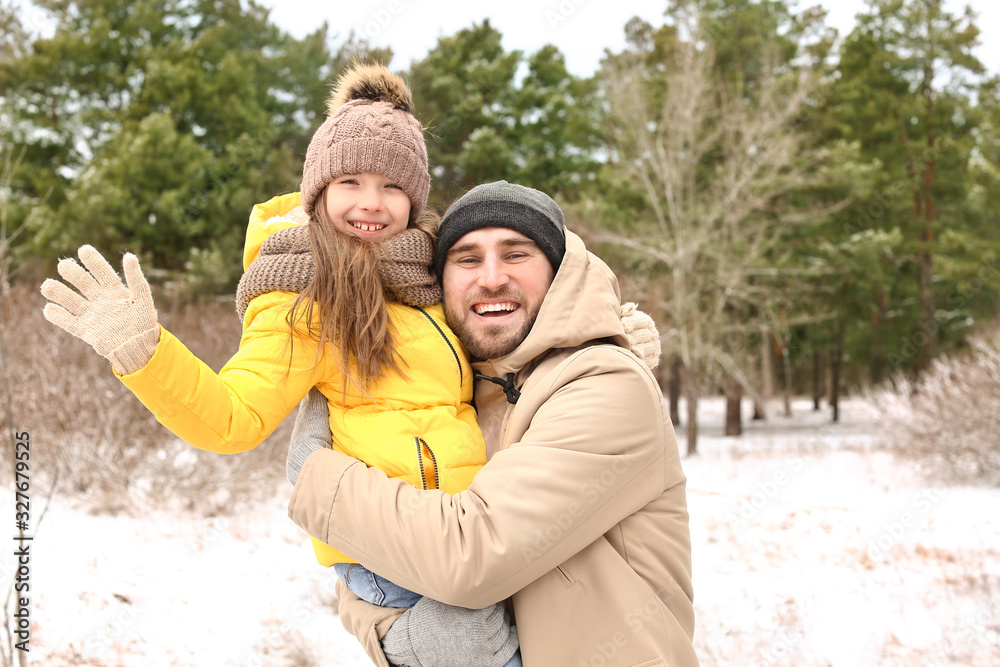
{"points": [[311, 432]]}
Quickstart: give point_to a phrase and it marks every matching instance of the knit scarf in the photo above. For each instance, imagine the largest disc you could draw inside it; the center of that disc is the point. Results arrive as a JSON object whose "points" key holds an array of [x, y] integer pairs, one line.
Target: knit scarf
{"points": [[285, 264]]}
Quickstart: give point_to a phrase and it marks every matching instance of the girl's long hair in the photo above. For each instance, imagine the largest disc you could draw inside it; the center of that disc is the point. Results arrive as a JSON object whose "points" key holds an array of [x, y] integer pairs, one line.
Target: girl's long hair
{"points": [[349, 297]]}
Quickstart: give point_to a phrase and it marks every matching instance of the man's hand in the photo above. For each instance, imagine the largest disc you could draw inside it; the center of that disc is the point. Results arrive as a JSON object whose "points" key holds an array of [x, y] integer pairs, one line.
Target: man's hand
{"points": [[311, 432], [118, 320]]}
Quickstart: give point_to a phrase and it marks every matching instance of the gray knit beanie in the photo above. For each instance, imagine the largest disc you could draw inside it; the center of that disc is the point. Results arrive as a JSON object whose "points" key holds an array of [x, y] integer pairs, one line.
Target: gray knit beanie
{"points": [[502, 204], [370, 129]]}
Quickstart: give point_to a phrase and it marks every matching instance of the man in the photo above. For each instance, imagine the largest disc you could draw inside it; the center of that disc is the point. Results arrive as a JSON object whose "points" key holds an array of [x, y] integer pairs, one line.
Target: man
{"points": [[580, 514]]}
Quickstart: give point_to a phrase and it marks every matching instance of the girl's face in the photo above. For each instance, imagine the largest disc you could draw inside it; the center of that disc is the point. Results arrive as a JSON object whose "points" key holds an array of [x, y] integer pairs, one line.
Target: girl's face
{"points": [[369, 206]]}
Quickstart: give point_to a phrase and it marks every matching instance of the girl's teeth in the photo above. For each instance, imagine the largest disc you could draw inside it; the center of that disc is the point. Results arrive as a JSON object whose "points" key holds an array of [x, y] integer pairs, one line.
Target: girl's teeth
{"points": [[368, 228]]}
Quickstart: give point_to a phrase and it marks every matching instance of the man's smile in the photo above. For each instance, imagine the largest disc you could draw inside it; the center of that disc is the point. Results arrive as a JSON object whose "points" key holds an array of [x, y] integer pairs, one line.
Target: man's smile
{"points": [[497, 309]]}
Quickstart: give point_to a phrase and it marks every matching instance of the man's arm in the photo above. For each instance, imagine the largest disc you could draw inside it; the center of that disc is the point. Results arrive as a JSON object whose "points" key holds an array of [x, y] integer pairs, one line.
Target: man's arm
{"points": [[597, 450]]}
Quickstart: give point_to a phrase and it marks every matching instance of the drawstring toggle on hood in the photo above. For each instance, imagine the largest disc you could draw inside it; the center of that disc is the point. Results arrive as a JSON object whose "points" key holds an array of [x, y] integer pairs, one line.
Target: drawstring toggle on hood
{"points": [[508, 385]]}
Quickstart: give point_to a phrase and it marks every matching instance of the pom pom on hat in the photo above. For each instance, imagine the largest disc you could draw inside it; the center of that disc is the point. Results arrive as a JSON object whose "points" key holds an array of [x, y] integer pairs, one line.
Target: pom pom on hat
{"points": [[370, 82]]}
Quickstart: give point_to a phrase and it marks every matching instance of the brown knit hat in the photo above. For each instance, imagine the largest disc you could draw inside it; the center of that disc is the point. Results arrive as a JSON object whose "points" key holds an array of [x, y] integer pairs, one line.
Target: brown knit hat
{"points": [[370, 128]]}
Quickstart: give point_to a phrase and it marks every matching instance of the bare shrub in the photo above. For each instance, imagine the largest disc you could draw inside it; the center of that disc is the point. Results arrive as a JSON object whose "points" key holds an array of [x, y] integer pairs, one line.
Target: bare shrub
{"points": [[284, 646], [104, 444], [951, 418]]}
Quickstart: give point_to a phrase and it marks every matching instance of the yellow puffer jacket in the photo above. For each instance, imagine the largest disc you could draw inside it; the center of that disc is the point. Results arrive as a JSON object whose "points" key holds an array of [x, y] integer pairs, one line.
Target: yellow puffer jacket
{"points": [[420, 428]]}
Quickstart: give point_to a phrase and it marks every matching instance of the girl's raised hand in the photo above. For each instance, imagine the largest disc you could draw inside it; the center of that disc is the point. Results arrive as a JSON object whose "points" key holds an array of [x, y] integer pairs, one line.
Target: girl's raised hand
{"points": [[118, 320]]}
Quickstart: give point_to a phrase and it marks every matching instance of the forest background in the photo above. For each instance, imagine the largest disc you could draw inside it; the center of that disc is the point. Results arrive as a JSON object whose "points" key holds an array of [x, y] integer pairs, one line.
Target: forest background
{"points": [[802, 212], [805, 212]]}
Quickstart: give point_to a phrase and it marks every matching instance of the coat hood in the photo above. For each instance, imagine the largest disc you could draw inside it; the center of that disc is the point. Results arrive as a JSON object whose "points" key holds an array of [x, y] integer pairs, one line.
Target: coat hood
{"points": [[583, 304], [265, 219]]}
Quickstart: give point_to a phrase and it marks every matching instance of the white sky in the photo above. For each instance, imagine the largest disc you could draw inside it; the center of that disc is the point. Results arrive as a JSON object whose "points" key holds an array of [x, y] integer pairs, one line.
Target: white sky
{"points": [[582, 29]]}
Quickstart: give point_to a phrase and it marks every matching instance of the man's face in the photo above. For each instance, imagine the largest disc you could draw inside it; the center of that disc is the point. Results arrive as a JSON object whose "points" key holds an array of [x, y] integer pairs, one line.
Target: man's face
{"points": [[494, 282]]}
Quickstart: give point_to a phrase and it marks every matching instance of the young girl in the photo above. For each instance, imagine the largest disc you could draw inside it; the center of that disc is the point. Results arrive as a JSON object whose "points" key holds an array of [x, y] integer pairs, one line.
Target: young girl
{"points": [[397, 381]]}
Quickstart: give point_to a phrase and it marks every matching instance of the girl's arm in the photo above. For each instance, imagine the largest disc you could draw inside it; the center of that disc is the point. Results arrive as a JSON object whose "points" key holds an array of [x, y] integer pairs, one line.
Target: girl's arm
{"points": [[228, 412]]}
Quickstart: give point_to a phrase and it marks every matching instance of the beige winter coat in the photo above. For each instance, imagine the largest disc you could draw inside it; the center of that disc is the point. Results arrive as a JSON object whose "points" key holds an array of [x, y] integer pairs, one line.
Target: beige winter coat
{"points": [[579, 515]]}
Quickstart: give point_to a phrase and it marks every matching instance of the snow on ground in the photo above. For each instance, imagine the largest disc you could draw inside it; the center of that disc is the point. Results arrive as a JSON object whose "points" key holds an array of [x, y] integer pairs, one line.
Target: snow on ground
{"points": [[811, 546], [178, 589]]}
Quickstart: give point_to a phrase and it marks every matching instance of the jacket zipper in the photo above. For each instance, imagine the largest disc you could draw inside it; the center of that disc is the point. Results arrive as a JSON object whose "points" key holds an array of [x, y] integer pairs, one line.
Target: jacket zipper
{"points": [[454, 353], [424, 449]]}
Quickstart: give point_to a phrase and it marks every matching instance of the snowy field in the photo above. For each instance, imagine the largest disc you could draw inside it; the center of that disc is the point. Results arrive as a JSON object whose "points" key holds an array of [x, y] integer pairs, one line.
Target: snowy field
{"points": [[812, 546]]}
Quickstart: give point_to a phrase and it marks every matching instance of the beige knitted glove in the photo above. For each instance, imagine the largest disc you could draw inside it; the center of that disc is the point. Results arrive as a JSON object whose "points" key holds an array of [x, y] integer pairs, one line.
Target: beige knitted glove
{"points": [[117, 320], [642, 334]]}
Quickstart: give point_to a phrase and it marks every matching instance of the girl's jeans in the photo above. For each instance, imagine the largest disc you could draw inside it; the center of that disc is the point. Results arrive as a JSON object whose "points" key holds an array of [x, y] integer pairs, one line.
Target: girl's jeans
{"points": [[380, 591]]}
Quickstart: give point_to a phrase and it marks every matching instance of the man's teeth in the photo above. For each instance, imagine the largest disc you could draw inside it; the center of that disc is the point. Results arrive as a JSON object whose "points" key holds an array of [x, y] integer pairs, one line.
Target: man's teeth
{"points": [[365, 227], [494, 307]]}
